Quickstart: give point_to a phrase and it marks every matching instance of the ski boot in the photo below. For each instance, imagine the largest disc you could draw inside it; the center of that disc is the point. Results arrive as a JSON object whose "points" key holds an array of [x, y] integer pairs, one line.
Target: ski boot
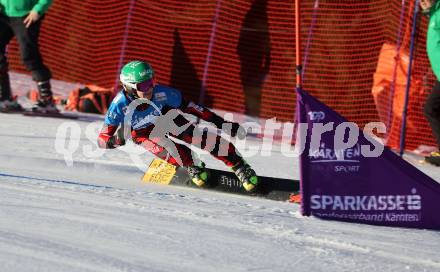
{"points": [[8, 103], [9, 106], [434, 158], [246, 175], [198, 174], [45, 106], [46, 103]]}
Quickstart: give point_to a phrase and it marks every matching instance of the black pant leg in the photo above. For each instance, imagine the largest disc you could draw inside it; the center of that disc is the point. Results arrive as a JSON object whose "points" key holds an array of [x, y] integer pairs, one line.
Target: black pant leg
{"points": [[432, 111], [29, 48], [6, 35]]}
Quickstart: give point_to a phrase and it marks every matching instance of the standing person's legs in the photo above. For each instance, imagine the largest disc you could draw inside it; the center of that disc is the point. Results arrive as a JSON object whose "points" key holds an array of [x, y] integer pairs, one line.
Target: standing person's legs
{"points": [[432, 111], [30, 54], [6, 35]]}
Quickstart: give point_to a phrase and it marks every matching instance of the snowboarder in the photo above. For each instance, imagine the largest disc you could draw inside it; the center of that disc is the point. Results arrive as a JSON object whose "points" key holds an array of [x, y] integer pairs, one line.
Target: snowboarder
{"points": [[147, 119]]}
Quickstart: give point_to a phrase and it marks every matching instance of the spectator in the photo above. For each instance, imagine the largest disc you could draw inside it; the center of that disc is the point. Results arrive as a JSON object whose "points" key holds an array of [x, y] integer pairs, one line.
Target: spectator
{"points": [[22, 19], [431, 8]]}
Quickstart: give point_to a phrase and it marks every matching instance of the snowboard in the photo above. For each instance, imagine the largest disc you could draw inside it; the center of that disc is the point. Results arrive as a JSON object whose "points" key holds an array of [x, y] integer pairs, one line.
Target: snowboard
{"points": [[63, 115], [161, 172], [29, 112]]}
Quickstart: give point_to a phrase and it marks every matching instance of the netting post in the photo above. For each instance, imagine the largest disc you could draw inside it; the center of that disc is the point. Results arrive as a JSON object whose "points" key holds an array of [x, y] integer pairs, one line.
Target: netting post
{"points": [[396, 64], [309, 38], [124, 43], [208, 56], [408, 79], [305, 210]]}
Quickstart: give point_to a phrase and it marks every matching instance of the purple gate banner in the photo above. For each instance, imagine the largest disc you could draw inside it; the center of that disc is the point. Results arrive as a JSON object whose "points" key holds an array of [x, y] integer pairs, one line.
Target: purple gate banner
{"points": [[355, 185]]}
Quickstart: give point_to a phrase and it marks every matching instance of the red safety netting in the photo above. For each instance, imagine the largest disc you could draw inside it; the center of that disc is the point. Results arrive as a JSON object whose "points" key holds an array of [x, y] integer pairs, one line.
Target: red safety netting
{"points": [[251, 67]]}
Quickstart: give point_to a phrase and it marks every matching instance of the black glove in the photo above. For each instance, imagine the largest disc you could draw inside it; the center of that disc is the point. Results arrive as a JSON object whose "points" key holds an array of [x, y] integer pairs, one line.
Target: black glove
{"points": [[118, 139]]}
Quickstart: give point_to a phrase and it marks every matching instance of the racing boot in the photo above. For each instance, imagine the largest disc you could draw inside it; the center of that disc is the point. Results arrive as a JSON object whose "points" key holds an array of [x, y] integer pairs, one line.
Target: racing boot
{"points": [[246, 175], [198, 174]]}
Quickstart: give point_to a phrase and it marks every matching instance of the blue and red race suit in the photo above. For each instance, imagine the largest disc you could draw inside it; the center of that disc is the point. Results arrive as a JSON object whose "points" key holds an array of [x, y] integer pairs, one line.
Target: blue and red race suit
{"points": [[146, 116]]}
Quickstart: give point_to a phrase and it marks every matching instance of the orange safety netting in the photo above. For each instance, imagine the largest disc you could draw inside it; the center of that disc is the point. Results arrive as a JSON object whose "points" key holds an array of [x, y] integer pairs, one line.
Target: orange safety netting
{"points": [[251, 68]]}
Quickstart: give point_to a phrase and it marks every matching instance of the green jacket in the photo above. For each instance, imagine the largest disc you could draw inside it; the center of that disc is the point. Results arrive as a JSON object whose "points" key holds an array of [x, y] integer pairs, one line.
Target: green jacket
{"points": [[20, 8], [433, 39]]}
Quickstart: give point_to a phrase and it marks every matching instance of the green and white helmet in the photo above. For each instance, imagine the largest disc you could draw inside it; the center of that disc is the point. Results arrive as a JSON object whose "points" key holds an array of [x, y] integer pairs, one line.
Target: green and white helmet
{"points": [[136, 72]]}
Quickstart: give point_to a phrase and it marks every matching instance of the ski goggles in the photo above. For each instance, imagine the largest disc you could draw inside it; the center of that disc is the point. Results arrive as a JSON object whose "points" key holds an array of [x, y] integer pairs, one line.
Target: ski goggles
{"points": [[143, 86]]}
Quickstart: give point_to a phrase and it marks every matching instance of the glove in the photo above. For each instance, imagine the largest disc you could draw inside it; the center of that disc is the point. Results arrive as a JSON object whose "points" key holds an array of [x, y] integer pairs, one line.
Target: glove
{"points": [[118, 139], [235, 131]]}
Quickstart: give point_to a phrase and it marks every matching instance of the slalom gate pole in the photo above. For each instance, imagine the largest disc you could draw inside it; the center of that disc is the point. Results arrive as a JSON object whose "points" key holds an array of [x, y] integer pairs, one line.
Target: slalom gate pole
{"points": [[408, 79]]}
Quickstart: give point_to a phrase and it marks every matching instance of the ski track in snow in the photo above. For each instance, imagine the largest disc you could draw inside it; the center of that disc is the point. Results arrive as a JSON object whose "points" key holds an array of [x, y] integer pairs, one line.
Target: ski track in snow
{"points": [[85, 228], [97, 216]]}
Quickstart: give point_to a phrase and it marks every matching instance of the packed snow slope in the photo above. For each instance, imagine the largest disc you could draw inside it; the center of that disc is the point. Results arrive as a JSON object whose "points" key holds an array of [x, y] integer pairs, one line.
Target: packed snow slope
{"points": [[88, 211]]}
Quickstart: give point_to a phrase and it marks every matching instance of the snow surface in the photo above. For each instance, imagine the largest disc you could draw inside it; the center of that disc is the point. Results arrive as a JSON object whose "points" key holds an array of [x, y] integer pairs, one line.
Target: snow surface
{"points": [[93, 214]]}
